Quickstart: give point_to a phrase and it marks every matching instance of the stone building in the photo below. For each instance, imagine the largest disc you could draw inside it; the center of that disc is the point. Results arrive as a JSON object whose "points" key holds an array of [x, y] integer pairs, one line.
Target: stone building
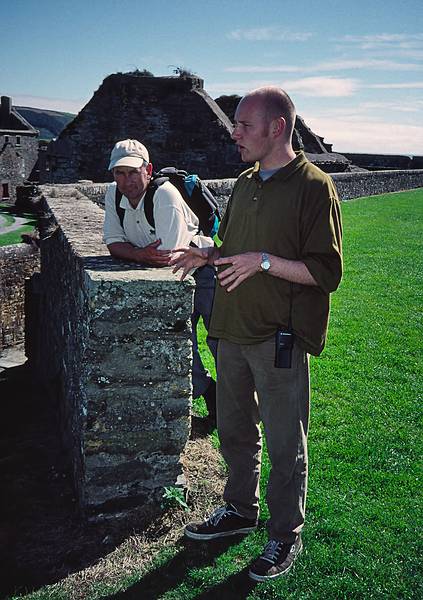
{"points": [[178, 121], [18, 149]]}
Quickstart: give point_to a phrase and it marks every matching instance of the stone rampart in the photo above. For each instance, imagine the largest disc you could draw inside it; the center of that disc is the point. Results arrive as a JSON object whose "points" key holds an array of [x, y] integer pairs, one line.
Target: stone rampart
{"points": [[17, 262], [349, 185], [113, 345], [355, 185]]}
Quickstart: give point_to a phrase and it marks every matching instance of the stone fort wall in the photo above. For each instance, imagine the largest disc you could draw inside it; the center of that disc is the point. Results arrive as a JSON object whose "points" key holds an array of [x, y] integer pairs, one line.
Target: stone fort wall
{"points": [[112, 345], [349, 185], [111, 342], [17, 263]]}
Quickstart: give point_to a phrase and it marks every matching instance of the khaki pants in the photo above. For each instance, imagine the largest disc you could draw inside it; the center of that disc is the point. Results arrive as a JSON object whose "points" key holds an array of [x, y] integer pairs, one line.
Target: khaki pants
{"points": [[281, 402]]}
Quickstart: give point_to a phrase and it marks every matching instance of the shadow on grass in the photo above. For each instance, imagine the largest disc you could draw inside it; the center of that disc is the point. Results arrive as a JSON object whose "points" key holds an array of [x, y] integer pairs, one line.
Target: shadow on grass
{"points": [[192, 555], [42, 535]]}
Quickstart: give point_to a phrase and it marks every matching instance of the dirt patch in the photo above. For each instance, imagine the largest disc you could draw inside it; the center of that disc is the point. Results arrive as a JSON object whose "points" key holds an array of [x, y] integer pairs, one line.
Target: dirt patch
{"points": [[42, 537]]}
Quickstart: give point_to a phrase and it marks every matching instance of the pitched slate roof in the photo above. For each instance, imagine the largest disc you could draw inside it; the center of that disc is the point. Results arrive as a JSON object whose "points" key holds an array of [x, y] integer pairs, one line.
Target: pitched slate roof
{"points": [[11, 120]]}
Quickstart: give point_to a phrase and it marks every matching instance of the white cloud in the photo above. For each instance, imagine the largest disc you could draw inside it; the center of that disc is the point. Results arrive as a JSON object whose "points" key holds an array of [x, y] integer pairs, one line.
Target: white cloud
{"points": [[72, 106], [381, 38], [372, 63], [322, 87], [407, 85], [410, 106], [235, 87], [268, 34], [258, 69], [375, 137], [335, 65]]}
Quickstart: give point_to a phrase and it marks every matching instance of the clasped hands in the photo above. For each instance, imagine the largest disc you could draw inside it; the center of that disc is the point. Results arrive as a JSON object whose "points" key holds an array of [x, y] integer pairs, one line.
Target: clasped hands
{"points": [[239, 267]]}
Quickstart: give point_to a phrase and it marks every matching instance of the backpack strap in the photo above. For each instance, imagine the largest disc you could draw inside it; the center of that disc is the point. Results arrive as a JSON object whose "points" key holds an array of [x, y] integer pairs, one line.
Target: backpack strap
{"points": [[119, 210], [153, 186]]}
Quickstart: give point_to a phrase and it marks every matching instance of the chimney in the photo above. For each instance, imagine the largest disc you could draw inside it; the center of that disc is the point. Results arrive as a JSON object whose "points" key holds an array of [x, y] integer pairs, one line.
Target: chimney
{"points": [[5, 108]]}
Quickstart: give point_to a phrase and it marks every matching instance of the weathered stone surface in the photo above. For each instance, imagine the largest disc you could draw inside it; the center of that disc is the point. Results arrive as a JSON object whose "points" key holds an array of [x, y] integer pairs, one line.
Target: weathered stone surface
{"points": [[18, 149], [114, 344], [349, 185], [174, 117], [355, 185], [17, 263], [380, 162]]}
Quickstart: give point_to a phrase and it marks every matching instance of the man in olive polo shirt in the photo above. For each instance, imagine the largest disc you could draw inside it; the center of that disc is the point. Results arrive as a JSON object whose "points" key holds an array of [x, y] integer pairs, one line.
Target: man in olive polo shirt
{"points": [[279, 261]]}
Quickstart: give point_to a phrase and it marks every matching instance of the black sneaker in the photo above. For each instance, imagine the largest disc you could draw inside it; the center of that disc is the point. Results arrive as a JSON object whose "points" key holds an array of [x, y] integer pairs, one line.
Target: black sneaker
{"points": [[224, 521], [276, 560]]}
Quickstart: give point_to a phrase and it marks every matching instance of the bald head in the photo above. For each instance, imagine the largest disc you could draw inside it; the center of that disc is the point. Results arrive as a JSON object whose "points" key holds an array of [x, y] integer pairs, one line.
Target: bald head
{"points": [[275, 103]]}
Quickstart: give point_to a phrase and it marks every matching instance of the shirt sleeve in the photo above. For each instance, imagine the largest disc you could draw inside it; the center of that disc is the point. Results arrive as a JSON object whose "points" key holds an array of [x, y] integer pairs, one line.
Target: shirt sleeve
{"points": [[170, 217], [321, 233], [112, 229]]}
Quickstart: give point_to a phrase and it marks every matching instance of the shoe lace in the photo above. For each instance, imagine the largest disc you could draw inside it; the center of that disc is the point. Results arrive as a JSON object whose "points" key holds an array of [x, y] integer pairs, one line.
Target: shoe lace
{"points": [[218, 514], [272, 550]]}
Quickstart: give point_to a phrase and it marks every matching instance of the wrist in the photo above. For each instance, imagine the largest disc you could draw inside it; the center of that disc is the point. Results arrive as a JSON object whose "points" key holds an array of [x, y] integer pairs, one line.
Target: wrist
{"points": [[265, 262], [213, 254]]}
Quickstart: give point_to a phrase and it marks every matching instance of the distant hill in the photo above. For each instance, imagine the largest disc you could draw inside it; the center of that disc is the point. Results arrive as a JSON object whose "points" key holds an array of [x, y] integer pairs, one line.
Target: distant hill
{"points": [[49, 122]]}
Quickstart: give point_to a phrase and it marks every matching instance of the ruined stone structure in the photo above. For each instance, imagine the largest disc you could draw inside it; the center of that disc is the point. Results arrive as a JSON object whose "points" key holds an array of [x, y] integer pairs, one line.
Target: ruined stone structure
{"points": [[18, 149], [111, 342], [176, 119], [383, 162], [17, 263]]}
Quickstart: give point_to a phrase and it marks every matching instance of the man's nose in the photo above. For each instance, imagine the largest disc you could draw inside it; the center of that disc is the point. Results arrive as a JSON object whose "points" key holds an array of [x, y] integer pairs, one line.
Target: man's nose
{"points": [[235, 133]]}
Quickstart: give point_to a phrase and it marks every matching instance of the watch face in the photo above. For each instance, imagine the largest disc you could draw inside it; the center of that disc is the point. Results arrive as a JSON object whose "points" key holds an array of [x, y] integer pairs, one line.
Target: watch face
{"points": [[265, 265]]}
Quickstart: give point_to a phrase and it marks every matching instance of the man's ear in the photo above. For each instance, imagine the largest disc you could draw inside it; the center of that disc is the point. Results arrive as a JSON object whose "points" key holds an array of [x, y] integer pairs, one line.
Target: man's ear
{"points": [[278, 126], [149, 169]]}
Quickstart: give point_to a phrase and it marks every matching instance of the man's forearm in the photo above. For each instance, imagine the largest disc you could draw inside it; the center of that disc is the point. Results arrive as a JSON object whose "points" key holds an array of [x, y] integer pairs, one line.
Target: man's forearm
{"points": [[124, 251], [291, 270], [240, 267]]}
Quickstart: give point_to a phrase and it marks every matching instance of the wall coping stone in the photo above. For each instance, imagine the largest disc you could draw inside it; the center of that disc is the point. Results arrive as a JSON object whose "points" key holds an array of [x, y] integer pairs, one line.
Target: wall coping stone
{"points": [[114, 338]]}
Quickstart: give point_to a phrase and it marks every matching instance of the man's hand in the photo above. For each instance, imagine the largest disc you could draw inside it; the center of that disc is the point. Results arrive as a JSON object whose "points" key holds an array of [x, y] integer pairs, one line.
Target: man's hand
{"points": [[187, 259], [151, 256], [148, 255], [241, 267]]}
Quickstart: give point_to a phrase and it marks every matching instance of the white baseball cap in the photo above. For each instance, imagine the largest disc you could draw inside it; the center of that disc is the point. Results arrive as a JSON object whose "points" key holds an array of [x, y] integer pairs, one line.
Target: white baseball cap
{"points": [[128, 153]]}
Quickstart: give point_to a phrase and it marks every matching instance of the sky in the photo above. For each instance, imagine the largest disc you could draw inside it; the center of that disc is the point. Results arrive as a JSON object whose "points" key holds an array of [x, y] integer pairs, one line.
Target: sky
{"points": [[353, 69]]}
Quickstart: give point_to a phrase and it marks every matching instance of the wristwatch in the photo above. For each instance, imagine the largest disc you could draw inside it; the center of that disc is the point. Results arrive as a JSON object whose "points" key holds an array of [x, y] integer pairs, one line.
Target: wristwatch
{"points": [[265, 262]]}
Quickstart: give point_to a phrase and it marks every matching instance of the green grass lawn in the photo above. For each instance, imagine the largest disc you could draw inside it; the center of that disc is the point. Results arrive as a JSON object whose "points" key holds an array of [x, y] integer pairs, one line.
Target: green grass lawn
{"points": [[364, 503], [361, 538], [14, 237]]}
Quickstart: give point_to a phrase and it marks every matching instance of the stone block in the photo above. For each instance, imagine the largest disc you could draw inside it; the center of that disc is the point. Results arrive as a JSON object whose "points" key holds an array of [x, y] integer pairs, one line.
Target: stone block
{"points": [[116, 341]]}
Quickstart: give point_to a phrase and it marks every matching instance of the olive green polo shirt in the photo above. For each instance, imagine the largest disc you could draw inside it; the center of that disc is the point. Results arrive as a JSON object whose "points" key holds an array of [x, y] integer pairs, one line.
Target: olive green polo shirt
{"points": [[295, 214]]}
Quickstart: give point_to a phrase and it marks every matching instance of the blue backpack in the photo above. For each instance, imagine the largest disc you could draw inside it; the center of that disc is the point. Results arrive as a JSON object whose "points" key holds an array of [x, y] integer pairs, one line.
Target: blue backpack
{"points": [[194, 192]]}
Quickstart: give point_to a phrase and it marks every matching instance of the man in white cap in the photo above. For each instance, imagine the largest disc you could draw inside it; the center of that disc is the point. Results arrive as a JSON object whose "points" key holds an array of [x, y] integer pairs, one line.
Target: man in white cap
{"points": [[132, 238]]}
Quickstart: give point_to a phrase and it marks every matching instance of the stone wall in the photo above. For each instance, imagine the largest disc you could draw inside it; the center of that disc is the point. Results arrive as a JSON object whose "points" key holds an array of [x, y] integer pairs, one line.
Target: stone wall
{"points": [[174, 117], [385, 161], [113, 346], [17, 263], [354, 185], [349, 185]]}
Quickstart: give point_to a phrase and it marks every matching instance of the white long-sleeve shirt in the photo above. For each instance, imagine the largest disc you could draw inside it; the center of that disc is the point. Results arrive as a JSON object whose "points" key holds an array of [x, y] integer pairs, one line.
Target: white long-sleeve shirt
{"points": [[176, 224]]}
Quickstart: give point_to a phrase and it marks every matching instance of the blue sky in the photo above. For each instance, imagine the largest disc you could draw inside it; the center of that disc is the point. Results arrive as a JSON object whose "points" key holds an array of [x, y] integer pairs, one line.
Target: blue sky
{"points": [[354, 69]]}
